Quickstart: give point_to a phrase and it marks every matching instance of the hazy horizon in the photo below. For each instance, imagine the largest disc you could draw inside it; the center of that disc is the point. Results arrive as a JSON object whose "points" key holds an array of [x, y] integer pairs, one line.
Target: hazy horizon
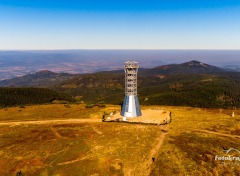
{"points": [[18, 63], [216, 57]]}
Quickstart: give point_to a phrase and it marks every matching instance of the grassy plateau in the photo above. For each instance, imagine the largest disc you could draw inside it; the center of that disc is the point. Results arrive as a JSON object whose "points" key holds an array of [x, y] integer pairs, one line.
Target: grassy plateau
{"points": [[186, 146]]}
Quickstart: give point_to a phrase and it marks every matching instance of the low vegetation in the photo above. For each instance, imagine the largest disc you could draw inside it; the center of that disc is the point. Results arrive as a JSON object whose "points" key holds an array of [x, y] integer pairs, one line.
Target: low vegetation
{"points": [[195, 137], [53, 111], [28, 96], [192, 140], [75, 149]]}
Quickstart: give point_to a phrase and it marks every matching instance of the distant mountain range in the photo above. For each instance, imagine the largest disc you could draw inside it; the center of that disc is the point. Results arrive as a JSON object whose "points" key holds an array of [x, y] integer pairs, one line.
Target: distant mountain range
{"points": [[188, 84], [42, 78], [47, 78], [192, 67], [18, 63]]}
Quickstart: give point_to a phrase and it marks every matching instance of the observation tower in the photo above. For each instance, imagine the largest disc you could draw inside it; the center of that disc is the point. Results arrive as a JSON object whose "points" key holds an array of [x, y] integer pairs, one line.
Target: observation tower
{"points": [[131, 107]]}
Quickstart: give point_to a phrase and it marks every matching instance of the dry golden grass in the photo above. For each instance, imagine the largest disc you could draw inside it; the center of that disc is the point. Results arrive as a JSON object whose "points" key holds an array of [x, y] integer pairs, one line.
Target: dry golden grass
{"points": [[53, 111], [194, 137], [79, 149]]}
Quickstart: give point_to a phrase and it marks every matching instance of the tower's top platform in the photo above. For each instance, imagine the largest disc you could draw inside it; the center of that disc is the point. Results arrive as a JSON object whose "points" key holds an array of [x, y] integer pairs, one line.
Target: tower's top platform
{"points": [[131, 64]]}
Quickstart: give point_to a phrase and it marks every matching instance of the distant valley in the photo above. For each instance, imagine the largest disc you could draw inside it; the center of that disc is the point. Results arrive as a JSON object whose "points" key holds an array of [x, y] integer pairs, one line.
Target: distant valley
{"points": [[18, 63]]}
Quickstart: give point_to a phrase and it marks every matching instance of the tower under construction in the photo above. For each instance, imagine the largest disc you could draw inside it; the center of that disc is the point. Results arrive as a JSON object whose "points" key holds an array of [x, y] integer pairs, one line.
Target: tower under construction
{"points": [[131, 107]]}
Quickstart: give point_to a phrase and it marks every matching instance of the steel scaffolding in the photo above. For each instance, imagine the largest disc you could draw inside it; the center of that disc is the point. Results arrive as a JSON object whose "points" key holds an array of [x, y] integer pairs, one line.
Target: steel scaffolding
{"points": [[131, 107]]}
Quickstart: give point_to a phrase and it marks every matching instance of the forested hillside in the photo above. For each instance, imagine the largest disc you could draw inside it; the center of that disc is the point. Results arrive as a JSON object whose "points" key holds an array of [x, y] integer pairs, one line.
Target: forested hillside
{"points": [[28, 96], [189, 84]]}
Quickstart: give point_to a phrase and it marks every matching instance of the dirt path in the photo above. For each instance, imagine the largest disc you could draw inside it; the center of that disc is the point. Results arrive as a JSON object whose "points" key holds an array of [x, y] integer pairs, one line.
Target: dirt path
{"points": [[41, 122], [219, 134], [148, 165], [72, 161], [96, 130], [55, 132], [154, 154]]}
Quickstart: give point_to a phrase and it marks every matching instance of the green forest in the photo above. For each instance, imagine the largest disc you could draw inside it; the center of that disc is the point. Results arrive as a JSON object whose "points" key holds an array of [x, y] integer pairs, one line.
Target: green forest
{"points": [[196, 90], [189, 84], [29, 96]]}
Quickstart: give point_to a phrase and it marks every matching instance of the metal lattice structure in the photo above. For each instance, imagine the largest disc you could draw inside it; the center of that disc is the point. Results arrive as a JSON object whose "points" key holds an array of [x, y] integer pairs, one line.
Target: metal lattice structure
{"points": [[131, 107], [131, 69]]}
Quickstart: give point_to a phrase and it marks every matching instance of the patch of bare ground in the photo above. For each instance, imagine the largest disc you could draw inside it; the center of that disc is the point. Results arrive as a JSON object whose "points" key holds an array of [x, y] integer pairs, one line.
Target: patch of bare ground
{"points": [[149, 116]]}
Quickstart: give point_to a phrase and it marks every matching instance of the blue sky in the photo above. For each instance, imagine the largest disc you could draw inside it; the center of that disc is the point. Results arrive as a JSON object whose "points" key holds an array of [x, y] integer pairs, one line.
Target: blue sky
{"points": [[119, 24]]}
